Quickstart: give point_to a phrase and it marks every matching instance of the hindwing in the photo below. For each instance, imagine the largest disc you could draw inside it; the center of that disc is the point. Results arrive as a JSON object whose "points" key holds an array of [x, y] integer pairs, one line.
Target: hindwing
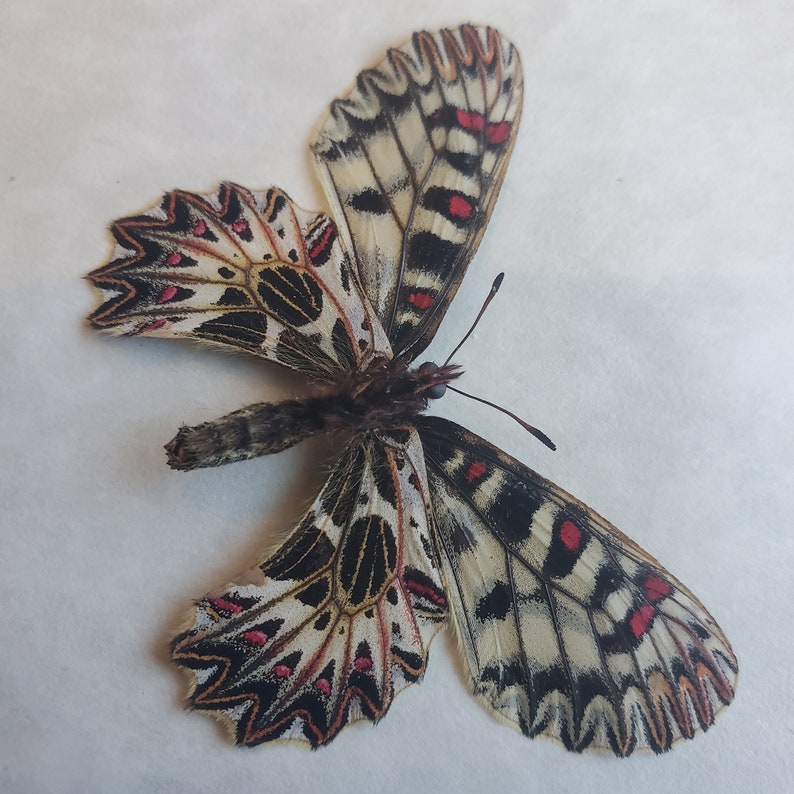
{"points": [[249, 270], [570, 629], [329, 628], [412, 160]]}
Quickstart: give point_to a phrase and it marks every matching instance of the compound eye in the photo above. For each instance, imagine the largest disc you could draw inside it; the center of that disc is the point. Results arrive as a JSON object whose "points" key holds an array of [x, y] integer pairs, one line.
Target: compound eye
{"points": [[436, 391]]}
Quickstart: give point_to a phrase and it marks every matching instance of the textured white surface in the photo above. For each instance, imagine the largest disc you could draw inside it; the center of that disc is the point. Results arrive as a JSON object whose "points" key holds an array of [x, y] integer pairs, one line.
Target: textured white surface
{"points": [[645, 324]]}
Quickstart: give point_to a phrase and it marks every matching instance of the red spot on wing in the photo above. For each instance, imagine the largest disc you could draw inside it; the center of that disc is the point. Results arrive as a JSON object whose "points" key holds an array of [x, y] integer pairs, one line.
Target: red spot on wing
{"points": [[641, 620], [282, 671], [226, 606], [476, 470], [422, 300], [153, 325], [324, 685], [470, 120], [256, 637], [571, 536], [199, 228], [656, 588], [322, 243], [362, 664], [174, 258], [424, 591], [498, 132], [168, 294], [460, 207], [240, 226]]}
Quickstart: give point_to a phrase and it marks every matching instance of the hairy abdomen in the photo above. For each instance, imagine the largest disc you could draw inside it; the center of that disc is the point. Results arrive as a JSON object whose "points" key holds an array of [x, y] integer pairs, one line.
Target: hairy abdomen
{"points": [[370, 402], [259, 429]]}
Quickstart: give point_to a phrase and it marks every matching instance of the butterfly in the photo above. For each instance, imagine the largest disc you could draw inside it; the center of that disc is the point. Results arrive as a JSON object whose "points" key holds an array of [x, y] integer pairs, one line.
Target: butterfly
{"points": [[569, 630]]}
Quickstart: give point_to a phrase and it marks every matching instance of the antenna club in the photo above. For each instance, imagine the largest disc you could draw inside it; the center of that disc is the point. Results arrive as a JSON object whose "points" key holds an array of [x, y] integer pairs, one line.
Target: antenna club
{"points": [[494, 288]]}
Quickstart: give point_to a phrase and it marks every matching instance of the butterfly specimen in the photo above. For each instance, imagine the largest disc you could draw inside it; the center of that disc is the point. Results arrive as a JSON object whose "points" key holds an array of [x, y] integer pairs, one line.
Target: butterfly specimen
{"points": [[568, 628]]}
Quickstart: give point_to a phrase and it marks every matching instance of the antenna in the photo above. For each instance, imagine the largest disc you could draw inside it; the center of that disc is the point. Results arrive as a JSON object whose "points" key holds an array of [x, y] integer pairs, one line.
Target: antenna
{"points": [[539, 434], [497, 282]]}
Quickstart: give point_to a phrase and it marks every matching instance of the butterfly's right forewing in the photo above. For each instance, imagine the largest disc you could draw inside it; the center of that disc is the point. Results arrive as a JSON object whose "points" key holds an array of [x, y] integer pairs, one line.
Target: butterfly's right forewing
{"points": [[569, 628]]}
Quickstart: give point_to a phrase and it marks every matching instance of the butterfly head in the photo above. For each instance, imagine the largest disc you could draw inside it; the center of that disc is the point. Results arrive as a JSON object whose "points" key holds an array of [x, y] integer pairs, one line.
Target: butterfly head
{"points": [[433, 380], [390, 394]]}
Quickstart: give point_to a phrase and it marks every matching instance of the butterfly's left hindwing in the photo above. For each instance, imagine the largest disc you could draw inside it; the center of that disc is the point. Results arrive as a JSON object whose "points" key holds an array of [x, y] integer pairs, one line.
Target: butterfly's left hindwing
{"points": [[570, 629], [329, 628], [241, 269]]}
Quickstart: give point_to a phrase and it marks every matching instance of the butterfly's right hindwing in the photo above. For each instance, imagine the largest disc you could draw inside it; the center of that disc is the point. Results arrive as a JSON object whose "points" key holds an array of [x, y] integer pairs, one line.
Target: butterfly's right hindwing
{"points": [[569, 628], [329, 628], [241, 269]]}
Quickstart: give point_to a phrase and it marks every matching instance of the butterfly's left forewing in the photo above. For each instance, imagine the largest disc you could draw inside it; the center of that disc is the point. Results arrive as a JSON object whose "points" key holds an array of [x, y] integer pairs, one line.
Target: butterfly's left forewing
{"points": [[330, 627], [570, 630], [412, 160]]}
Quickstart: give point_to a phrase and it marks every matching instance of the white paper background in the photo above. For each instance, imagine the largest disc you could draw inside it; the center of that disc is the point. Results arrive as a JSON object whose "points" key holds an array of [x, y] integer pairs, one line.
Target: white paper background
{"points": [[645, 226]]}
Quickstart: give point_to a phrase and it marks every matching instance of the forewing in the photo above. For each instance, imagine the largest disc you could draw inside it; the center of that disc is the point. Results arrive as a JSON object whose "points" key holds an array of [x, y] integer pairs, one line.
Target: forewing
{"points": [[249, 270], [412, 160], [338, 620], [569, 628]]}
